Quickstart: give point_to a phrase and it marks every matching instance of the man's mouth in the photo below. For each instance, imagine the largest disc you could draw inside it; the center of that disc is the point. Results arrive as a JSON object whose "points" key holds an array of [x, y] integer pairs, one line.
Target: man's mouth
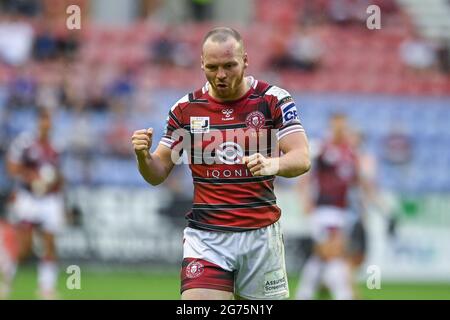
{"points": [[222, 85]]}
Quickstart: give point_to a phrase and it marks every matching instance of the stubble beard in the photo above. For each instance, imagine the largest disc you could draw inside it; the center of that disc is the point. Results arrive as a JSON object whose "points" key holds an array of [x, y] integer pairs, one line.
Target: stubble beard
{"points": [[232, 91]]}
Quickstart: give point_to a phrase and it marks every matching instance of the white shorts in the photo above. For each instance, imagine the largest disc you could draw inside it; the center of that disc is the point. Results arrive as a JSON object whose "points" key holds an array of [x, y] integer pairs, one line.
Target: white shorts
{"points": [[46, 211], [251, 264], [325, 218]]}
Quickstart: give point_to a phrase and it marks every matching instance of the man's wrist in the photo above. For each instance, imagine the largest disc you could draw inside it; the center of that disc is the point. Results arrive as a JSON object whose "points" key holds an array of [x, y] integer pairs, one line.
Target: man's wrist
{"points": [[275, 166], [143, 156]]}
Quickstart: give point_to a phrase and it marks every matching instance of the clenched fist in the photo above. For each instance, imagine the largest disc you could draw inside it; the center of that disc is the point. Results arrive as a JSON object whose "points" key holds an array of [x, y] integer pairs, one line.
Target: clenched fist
{"points": [[142, 141], [260, 165]]}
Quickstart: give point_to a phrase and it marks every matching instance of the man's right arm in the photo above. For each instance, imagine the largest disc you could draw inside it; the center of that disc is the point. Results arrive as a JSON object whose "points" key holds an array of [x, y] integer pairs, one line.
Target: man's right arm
{"points": [[154, 167]]}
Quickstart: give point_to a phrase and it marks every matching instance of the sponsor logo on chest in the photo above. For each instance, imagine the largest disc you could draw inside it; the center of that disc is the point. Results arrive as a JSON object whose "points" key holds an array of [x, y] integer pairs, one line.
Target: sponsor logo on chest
{"points": [[200, 124], [227, 114]]}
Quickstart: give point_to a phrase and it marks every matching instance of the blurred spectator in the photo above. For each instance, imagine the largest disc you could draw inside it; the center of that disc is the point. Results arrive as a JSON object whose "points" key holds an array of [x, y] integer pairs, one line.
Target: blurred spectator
{"points": [[97, 101], [22, 90], [149, 7], [68, 45], [417, 53], [162, 50], [314, 12], [169, 49], [47, 92], [117, 138], [347, 12], [386, 6], [123, 85], [96, 93], [306, 49], [443, 56], [303, 51], [69, 96], [201, 10], [45, 46], [353, 12], [24, 7], [397, 149], [16, 40], [48, 45]]}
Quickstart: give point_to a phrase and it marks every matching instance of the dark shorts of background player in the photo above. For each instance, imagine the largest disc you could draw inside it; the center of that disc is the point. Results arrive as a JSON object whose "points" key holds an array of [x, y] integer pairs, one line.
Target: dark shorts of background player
{"points": [[357, 242]]}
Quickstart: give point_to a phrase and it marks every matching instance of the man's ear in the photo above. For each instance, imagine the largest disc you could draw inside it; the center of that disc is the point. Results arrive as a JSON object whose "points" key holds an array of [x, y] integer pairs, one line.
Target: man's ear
{"points": [[245, 60], [202, 64]]}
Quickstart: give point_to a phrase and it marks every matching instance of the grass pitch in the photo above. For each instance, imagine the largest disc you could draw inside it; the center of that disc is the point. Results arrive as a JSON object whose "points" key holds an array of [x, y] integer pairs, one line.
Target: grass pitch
{"points": [[164, 285]]}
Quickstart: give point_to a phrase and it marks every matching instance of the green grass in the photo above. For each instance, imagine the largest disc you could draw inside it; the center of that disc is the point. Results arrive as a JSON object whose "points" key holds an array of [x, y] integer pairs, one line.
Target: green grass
{"points": [[162, 285]]}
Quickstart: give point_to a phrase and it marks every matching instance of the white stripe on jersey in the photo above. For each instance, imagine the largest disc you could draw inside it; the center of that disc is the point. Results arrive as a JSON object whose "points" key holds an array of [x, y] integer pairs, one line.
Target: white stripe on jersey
{"points": [[168, 140], [289, 130], [278, 93], [166, 144], [184, 99]]}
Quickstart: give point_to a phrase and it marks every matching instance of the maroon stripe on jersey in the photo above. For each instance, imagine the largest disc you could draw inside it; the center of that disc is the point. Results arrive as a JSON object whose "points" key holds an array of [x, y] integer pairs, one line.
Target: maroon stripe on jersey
{"points": [[226, 206], [208, 227], [241, 193], [199, 273], [233, 181], [249, 218]]}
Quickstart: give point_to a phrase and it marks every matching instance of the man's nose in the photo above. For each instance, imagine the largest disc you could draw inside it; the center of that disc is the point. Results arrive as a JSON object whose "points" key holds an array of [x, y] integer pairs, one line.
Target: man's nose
{"points": [[221, 73]]}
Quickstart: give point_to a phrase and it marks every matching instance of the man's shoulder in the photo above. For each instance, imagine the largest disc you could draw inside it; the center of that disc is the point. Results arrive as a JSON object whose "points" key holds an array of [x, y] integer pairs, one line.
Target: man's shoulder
{"points": [[277, 92], [197, 96], [271, 91]]}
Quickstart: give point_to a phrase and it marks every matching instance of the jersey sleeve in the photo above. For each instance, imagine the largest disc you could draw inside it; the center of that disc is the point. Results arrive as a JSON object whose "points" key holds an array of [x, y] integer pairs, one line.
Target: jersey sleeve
{"points": [[174, 124], [284, 111]]}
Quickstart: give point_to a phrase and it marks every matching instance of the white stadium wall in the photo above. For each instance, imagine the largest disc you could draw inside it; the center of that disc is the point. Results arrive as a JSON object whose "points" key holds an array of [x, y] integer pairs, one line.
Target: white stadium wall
{"points": [[123, 225]]}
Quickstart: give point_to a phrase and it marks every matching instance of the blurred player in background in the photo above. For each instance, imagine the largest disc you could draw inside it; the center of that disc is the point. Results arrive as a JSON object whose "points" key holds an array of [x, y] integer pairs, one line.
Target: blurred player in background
{"points": [[8, 249], [360, 198], [38, 204], [326, 197], [233, 244]]}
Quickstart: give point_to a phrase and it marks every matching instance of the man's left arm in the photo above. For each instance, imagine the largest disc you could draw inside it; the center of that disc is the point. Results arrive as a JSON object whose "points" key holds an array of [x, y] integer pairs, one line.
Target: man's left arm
{"points": [[293, 161]]}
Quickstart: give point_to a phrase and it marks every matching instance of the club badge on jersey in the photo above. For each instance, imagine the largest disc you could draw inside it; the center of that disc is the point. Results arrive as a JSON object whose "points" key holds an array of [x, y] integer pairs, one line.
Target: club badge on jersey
{"points": [[255, 120]]}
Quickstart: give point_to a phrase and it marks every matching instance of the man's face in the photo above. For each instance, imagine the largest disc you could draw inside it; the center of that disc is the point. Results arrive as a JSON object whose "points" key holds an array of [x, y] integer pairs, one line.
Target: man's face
{"points": [[224, 64], [339, 126], [45, 124]]}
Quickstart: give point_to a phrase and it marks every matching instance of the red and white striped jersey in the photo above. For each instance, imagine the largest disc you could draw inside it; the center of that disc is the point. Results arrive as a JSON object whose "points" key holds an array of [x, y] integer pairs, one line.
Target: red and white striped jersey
{"points": [[40, 162], [215, 136], [335, 171]]}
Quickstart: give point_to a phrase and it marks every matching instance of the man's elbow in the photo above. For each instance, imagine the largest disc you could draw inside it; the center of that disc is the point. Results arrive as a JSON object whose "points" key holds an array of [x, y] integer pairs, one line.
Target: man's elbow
{"points": [[304, 166], [154, 183], [152, 180], [300, 167]]}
